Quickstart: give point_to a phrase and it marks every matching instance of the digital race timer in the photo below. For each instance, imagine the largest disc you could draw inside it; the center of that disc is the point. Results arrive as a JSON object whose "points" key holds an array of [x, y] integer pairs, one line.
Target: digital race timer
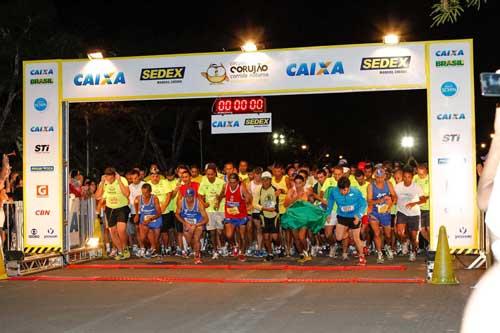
{"points": [[239, 105]]}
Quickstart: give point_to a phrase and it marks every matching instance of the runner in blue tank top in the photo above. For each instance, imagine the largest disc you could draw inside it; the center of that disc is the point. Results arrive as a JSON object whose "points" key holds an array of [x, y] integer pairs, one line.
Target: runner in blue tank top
{"points": [[381, 197], [149, 218], [191, 212]]}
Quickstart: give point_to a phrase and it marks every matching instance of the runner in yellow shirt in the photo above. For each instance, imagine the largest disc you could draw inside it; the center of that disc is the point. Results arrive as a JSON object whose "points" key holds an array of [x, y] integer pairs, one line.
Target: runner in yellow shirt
{"points": [[282, 186], [114, 190], [422, 179], [163, 191], [196, 175]]}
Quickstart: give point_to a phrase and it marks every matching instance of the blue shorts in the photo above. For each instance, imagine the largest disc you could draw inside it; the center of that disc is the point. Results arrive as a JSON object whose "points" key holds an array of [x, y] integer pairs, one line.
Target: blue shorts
{"points": [[383, 219], [236, 222], [156, 224]]}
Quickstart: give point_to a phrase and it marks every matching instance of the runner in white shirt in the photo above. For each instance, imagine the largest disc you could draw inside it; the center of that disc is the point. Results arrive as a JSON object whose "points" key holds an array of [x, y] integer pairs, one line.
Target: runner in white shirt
{"points": [[410, 196], [135, 191]]}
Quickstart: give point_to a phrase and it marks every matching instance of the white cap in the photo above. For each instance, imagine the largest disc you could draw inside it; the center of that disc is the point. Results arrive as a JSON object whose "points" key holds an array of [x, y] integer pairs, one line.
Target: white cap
{"points": [[266, 174]]}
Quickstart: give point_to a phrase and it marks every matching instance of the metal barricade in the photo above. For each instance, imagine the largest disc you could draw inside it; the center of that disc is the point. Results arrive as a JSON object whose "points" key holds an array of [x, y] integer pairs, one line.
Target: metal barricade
{"points": [[14, 226], [81, 229]]}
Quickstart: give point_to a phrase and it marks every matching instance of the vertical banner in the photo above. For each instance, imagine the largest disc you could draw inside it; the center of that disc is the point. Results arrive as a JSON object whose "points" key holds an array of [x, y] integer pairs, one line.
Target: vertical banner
{"points": [[42, 154], [450, 94]]}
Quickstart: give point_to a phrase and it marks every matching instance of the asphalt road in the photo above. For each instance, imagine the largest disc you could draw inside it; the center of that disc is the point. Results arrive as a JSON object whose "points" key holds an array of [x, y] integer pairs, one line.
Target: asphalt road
{"points": [[40, 306]]}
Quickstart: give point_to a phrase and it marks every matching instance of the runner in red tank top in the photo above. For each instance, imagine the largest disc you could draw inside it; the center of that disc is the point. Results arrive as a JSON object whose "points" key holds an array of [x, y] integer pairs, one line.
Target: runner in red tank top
{"points": [[235, 212]]}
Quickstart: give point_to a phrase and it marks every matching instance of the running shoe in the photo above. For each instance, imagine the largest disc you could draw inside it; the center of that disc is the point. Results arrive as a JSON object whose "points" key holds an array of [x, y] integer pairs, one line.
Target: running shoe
{"points": [[333, 251], [405, 248], [345, 256], [184, 254], [235, 251], [154, 254], [126, 253], [413, 256], [242, 258], [389, 253], [380, 258], [197, 260], [269, 258], [113, 253], [147, 255], [119, 256], [304, 258], [362, 261], [141, 252], [215, 256], [366, 252]]}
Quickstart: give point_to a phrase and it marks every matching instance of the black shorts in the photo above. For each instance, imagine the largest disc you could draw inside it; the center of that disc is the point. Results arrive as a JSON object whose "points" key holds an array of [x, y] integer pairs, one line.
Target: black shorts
{"points": [[178, 226], [256, 216], [348, 222], [425, 219], [393, 220], [115, 215], [270, 225], [412, 222], [167, 222]]}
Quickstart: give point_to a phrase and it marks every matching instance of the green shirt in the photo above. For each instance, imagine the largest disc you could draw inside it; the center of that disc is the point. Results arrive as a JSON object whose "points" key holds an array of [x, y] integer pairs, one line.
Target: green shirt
{"points": [[211, 191], [161, 190], [267, 199], [114, 196], [424, 184]]}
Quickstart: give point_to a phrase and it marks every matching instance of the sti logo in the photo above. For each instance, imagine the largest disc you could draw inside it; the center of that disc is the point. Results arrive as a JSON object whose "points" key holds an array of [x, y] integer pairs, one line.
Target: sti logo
{"points": [[42, 148], [99, 79], [315, 68], [451, 138], [42, 191], [229, 123]]}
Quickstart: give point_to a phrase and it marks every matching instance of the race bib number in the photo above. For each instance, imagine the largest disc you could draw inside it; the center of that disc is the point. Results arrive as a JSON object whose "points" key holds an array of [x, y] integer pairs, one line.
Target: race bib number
{"points": [[382, 208], [269, 204], [191, 221], [233, 210], [150, 217], [347, 209]]}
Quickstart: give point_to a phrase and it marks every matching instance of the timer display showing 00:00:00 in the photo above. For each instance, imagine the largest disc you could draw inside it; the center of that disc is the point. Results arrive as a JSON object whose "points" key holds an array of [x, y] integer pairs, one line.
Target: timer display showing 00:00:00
{"points": [[228, 105]]}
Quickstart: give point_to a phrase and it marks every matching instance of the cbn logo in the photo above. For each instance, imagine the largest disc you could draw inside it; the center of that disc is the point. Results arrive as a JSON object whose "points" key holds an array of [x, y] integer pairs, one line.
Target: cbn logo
{"points": [[375, 63], [315, 68], [96, 79], [229, 123]]}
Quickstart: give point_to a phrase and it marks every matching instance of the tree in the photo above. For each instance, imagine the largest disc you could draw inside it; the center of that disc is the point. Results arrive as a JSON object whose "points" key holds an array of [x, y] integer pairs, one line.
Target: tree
{"points": [[448, 11]]}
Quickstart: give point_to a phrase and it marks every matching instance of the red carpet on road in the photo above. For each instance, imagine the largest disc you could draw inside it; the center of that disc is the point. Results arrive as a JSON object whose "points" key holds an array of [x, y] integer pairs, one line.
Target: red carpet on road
{"points": [[215, 280], [243, 267]]}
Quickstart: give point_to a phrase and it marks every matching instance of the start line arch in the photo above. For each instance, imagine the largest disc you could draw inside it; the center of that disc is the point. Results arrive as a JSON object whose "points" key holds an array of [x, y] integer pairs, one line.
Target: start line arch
{"points": [[444, 68]]}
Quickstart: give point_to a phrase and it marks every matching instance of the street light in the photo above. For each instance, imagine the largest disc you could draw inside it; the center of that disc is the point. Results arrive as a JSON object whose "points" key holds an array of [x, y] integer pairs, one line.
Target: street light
{"points": [[407, 142], [95, 55], [341, 157], [275, 135], [249, 46], [391, 39], [492, 135], [483, 145], [303, 147], [327, 155]]}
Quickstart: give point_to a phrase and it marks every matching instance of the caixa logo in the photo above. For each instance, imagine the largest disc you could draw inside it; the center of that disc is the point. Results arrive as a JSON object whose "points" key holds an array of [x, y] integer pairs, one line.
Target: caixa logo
{"points": [[315, 68], [42, 71], [449, 53], [42, 129], [99, 79], [451, 116], [228, 123]]}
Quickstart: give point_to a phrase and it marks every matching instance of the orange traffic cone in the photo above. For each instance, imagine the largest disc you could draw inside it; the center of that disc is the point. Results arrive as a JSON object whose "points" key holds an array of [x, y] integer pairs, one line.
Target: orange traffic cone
{"points": [[443, 267]]}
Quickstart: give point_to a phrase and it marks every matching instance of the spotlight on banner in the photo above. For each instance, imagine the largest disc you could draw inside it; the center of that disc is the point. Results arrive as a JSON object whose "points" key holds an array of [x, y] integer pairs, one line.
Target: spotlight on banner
{"points": [[95, 55], [249, 46], [391, 39]]}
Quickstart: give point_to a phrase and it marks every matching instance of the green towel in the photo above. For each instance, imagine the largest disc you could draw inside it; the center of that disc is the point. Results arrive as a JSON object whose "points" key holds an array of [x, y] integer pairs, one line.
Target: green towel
{"points": [[304, 214]]}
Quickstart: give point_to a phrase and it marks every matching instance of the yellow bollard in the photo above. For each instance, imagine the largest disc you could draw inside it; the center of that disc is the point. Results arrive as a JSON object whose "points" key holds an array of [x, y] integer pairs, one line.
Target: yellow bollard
{"points": [[3, 273], [443, 266], [98, 234]]}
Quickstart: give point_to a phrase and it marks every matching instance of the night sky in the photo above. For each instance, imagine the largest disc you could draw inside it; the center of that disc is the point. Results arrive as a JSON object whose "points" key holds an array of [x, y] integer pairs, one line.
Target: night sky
{"points": [[357, 125]]}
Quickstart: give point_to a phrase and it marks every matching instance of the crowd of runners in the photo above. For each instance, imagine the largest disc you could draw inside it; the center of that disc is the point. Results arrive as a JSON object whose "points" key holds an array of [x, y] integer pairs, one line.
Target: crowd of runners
{"points": [[294, 211]]}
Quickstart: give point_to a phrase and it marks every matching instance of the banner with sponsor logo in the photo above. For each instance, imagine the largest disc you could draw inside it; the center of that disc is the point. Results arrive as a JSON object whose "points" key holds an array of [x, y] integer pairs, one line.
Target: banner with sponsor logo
{"points": [[452, 143], [42, 181], [445, 69], [292, 71], [242, 123]]}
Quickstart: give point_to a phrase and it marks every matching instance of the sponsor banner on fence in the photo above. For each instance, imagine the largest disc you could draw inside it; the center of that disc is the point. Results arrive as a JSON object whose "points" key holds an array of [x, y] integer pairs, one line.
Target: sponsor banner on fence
{"points": [[452, 143], [242, 123], [41, 156], [318, 69]]}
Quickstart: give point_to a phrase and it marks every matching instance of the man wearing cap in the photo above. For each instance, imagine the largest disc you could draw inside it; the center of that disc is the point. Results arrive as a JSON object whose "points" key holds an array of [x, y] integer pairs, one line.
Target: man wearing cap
{"points": [[191, 213], [381, 197], [266, 201]]}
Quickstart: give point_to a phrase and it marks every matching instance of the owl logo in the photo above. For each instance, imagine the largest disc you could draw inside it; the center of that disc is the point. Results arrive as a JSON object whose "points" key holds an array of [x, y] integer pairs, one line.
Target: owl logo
{"points": [[215, 74]]}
